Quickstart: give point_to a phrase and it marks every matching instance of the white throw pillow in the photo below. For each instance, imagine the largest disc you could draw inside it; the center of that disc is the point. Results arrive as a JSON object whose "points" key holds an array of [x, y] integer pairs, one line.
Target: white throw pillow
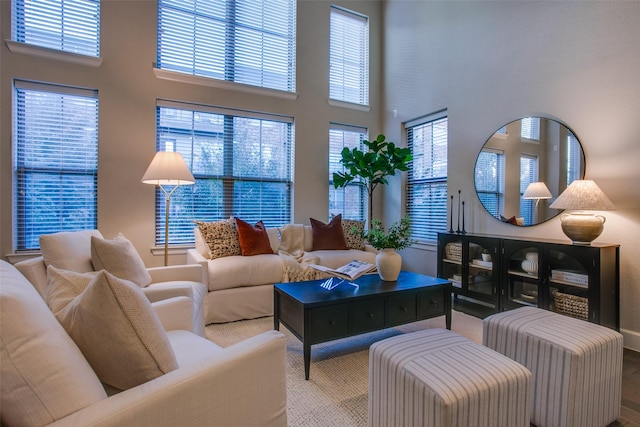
{"points": [[114, 325], [69, 250], [120, 258]]}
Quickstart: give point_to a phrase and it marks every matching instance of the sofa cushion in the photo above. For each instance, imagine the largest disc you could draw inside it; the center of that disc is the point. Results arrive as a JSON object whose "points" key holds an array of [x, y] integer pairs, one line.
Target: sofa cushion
{"points": [[237, 271], [43, 376], [328, 236], [114, 325], [69, 250], [120, 258], [353, 233], [190, 348], [221, 236], [254, 239]]}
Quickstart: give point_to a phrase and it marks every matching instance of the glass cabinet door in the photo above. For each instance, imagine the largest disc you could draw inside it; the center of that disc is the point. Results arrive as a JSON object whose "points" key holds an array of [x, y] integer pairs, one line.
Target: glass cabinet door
{"points": [[480, 263], [568, 290], [522, 284], [451, 265]]}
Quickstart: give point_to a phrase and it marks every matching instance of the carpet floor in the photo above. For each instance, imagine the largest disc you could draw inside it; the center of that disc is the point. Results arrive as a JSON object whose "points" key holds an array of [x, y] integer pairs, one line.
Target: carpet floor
{"points": [[336, 392]]}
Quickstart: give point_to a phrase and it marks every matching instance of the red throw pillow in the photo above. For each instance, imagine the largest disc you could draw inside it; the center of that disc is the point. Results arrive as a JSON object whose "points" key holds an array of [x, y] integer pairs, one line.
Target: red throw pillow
{"points": [[254, 239], [327, 236]]}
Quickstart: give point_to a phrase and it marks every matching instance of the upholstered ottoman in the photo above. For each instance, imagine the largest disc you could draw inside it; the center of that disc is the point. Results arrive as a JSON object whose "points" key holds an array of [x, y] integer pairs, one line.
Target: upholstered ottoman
{"points": [[438, 378], [576, 366]]}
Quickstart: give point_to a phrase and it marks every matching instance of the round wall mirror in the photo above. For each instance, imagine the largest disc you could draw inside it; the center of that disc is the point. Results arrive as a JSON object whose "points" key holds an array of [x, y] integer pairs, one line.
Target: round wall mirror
{"points": [[524, 166]]}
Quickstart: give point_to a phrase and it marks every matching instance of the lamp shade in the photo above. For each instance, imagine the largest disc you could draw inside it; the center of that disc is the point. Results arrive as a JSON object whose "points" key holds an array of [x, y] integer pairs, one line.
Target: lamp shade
{"points": [[537, 190], [583, 195], [168, 168]]}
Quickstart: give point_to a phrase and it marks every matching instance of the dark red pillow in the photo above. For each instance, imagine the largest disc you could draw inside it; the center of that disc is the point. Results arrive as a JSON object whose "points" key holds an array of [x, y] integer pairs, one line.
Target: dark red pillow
{"points": [[328, 236], [254, 239]]}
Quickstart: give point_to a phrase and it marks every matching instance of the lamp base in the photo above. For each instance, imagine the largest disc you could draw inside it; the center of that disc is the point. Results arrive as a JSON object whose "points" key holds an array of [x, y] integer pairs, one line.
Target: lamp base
{"points": [[582, 228]]}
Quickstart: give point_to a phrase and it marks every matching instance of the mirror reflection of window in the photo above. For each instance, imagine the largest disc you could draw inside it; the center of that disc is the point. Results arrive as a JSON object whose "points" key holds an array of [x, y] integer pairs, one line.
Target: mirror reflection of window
{"points": [[490, 180], [574, 159], [530, 128], [528, 174]]}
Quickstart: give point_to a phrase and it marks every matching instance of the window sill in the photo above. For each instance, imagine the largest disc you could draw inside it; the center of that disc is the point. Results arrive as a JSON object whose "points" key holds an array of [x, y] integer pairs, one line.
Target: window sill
{"points": [[173, 250], [44, 52], [22, 256], [221, 84], [350, 105]]}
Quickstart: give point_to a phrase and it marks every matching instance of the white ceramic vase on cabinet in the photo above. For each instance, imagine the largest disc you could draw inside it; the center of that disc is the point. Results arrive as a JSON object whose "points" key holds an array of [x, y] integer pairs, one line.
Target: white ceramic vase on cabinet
{"points": [[389, 264]]}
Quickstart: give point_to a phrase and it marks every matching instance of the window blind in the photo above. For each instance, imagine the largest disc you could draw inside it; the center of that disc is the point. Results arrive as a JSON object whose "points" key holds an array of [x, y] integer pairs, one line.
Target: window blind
{"points": [[241, 161], [56, 160], [350, 201], [67, 25], [249, 42], [427, 177], [574, 159], [528, 174], [489, 179], [530, 128], [349, 57]]}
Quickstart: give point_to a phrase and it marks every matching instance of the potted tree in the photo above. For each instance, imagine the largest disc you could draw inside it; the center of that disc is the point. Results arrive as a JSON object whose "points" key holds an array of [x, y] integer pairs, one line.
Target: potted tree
{"points": [[388, 260], [372, 166]]}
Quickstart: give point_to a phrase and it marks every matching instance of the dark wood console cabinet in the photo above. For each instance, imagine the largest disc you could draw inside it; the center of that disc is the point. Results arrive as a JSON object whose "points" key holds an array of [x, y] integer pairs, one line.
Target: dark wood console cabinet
{"points": [[576, 280]]}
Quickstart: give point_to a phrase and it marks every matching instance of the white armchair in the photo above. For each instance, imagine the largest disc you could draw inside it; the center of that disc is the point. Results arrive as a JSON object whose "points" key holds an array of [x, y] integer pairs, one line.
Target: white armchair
{"points": [[72, 251]]}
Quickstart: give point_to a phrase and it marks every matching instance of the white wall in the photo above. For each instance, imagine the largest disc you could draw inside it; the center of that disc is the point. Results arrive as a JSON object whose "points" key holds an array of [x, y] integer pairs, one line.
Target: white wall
{"points": [[489, 63], [128, 90]]}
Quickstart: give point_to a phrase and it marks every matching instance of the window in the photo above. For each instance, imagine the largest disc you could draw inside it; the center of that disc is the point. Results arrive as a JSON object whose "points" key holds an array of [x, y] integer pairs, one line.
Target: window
{"points": [[68, 25], [427, 178], [528, 174], [249, 42], [349, 57], [530, 128], [489, 179], [56, 160], [241, 161], [350, 201], [574, 159]]}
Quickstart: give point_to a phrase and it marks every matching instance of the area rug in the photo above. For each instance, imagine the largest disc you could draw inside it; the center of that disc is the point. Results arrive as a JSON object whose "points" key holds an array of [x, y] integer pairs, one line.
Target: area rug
{"points": [[336, 392]]}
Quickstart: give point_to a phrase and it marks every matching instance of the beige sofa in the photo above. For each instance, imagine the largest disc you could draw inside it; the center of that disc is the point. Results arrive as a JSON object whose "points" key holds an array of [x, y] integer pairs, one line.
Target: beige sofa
{"points": [[46, 380], [241, 287]]}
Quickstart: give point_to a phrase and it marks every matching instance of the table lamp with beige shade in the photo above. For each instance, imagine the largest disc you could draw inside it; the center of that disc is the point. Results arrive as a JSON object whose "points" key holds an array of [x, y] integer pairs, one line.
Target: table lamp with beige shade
{"points": [[582, 227], [168, 171], [536, 191]]}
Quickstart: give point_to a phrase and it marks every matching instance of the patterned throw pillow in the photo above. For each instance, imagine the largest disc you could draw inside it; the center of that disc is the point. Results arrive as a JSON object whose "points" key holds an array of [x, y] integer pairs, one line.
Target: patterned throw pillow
{"points": [[353, 239], [221, 236]]}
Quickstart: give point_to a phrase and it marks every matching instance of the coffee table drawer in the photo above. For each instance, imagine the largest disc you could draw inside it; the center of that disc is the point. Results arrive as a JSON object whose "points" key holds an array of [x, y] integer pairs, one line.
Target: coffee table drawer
{"points": [[431, 304], [329, 323], [401, 309], [367, 315]]}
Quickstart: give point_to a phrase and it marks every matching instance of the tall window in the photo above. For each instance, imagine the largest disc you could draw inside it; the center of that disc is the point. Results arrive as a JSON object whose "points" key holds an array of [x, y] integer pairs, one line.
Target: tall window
{"points": [[56, 160], [68, 25], [350, 201], [530, 128], [242, 163], [349, 57], [528, 174], [427, 138], [574, 159], [489, 179], [249, 42]]}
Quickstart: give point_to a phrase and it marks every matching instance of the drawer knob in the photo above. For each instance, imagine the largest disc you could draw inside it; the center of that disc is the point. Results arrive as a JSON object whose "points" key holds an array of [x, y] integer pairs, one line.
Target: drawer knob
{"points": [[403, 308], [332, 322], [434, 302], [370, 315]]}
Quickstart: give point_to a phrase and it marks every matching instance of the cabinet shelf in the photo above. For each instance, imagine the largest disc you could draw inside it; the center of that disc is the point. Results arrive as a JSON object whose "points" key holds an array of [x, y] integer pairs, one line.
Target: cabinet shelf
{"points": [[504, 285]]}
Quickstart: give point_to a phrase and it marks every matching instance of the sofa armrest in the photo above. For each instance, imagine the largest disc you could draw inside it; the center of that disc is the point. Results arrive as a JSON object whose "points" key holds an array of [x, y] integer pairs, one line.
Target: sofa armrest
{"points": [[176, 273], [244, 386], [195, 257], [175, 313]]}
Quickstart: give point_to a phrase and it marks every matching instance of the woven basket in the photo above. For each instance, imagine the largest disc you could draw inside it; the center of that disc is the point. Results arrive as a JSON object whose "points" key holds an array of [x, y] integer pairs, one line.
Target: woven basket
{"points": [[453, 251], [572, 305]]}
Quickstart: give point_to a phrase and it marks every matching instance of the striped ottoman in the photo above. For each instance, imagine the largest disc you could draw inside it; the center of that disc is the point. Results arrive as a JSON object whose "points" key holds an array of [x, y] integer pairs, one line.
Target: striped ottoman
{"points": [[438, 378], [576, 366]]}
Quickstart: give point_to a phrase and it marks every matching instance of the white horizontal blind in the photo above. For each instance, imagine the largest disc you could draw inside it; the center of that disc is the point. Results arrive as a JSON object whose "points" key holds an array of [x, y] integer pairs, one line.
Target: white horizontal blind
{"points": [[349, 57], [350, 201], [67, 25], [56, 160], [489, 179], [427, 178], [242, 163], [530, 128], [528, 174], [250, 42], [574, 159]]}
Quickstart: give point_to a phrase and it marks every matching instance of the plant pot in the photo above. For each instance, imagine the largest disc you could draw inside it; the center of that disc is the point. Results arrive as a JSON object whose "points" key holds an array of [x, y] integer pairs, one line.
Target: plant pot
{"points": [[486, 257], [389, 263]]}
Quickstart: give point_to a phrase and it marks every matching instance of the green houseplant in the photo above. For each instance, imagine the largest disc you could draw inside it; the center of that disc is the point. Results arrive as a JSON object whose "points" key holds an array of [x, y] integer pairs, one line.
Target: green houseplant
{"points": [[397, 237], [372, 166]]}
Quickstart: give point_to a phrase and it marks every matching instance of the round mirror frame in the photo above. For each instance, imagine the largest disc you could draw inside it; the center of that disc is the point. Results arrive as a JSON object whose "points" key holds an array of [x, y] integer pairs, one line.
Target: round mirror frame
{"points": [[500, 176]]}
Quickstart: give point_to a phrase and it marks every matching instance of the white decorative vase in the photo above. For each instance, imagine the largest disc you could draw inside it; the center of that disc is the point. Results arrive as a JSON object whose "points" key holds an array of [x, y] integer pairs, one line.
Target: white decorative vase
{"points": [[389, 263]]}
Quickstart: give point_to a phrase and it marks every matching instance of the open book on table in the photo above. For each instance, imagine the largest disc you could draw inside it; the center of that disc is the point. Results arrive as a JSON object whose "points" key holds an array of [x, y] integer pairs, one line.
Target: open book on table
{"points": [[350, 271]]}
